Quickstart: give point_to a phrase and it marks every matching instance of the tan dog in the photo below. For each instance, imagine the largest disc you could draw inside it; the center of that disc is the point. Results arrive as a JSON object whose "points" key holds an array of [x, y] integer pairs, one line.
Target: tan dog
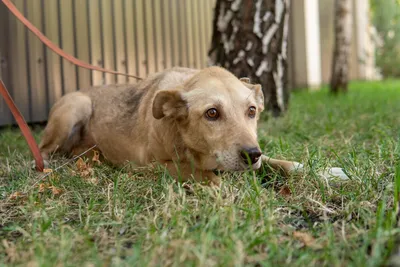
{"points": [[192, 121]]}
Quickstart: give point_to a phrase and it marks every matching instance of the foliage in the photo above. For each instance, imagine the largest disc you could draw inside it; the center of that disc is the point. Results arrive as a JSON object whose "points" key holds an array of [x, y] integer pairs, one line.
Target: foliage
{"points": [[103, 216], [386, 19]]}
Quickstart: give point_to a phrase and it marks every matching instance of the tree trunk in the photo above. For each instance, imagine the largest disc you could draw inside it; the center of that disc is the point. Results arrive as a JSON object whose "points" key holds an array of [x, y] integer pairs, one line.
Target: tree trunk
{"points": [[341, 53], [250, 40]]}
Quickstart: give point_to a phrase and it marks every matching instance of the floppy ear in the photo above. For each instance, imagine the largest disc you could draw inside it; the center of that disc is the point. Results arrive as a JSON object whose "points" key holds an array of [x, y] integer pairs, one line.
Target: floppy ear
{"points": [[169, 103], [257, 91]]}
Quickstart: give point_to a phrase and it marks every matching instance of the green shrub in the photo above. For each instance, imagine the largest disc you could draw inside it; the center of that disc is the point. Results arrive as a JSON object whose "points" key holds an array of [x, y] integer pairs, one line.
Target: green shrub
{"points": [[386, 19]]}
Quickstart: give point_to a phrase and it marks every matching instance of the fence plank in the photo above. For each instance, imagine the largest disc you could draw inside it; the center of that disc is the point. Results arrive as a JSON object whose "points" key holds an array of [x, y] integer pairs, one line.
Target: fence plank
{"points": [[149, 35], [175, 42], [158, 36], [18, 63], [203, 34], [183, 47], [166, 33], [194, 14], [82, 42], [53, 61], [108, 39], [95, 45], [66, 29], [119, 40], [36, 64], [129, 28], [189, 33], [5, 114], [140, 39]]}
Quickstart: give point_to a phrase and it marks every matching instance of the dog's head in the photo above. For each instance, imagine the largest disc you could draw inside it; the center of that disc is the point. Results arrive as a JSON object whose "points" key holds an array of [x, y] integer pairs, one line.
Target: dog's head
{"points": [[217, 116]]}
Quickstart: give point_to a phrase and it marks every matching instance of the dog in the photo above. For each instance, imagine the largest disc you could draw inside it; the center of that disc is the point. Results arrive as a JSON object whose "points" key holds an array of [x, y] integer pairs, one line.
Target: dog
{"points": [[193, 122]]}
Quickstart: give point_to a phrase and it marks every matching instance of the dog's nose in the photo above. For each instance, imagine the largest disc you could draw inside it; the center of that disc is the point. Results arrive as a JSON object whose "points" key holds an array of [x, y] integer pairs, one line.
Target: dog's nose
{"points": [[253, 154]]}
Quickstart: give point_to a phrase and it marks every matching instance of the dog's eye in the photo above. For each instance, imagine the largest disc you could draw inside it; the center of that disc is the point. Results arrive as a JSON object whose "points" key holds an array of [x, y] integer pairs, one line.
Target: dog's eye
{"points": [[252, 112], [212, 114]]}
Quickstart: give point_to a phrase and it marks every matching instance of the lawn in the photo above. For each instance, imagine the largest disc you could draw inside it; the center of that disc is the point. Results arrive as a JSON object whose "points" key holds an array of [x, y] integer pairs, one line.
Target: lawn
{"points": [[100, 216]]}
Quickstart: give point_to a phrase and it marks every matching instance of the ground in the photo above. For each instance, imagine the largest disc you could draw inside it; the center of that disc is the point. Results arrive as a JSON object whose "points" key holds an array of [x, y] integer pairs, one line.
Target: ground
{"points": [[83, 216]]}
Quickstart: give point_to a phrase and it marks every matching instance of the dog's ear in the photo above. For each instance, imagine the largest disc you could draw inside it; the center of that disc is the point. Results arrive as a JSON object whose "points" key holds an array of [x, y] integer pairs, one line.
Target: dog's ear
{"points": [[257, 91], [169, 103]]}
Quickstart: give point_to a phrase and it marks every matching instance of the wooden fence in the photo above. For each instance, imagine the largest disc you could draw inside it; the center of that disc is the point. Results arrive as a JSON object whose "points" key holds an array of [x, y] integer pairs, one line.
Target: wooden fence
{"points": [[135, 36]]}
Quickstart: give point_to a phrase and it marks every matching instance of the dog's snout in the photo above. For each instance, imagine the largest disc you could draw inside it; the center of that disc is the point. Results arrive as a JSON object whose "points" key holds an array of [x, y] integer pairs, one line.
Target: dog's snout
{"points": [[253, 154]]}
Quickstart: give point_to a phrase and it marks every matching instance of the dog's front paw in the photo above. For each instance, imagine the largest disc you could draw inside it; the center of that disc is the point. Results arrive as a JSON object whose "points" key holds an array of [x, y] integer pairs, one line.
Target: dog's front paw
{"points": [[335, 172], [296, 167]]}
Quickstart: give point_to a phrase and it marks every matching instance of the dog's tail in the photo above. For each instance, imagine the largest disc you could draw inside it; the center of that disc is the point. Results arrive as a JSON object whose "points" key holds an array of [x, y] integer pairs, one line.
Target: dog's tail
{"points": [[67, 124]]}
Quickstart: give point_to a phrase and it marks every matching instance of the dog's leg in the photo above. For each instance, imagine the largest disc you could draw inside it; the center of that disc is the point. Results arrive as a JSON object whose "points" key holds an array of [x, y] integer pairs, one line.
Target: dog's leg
{"points": [[185, 172], [293, 166], [286, 166], [67, 118]]}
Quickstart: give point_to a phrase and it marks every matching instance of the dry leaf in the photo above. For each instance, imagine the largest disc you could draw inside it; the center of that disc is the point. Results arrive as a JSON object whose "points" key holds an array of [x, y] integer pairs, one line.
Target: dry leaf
{"points": [[86, 173], [84, 169], [285, 191], [42, 187], [16, 195], [56, 191], [81, 164], [307, 239], [47, 170], [96, 157]]}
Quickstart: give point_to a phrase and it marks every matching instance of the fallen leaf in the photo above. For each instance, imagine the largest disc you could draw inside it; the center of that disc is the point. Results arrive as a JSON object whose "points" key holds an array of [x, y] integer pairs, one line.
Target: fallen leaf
{"points": [[285, 191], [87, 173], [96, 157], [47, 170], [42, 187], [56, 191], [84, 169], [16, 195], [307, 239], [81, 164]]}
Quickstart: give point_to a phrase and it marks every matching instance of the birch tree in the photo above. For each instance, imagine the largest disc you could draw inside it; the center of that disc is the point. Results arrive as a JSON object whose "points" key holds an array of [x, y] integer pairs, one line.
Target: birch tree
{"points": [[250, 39], [342, 46]]}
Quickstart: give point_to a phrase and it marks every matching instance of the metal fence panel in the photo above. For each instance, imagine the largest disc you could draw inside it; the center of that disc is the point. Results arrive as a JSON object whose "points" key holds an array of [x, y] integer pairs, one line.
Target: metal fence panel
{"points": [[19, 64], [130, 33], [54, 62], [37, 64], [140, 29], [81, 18], [67, 32], [135, 36], [5, 114], [119, 39]]}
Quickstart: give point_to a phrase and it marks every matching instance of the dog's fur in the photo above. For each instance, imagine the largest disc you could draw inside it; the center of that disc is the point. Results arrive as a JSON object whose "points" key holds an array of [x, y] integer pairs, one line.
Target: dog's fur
{"points": [[163, 119]]}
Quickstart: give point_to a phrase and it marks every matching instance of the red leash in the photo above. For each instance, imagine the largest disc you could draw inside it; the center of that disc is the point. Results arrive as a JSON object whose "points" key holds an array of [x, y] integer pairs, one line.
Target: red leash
{"points": [[16, 113], [23, 126]]}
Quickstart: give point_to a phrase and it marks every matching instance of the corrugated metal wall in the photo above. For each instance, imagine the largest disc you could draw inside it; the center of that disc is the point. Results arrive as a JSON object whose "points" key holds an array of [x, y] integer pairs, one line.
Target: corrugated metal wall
{"points": [[135, 36]]}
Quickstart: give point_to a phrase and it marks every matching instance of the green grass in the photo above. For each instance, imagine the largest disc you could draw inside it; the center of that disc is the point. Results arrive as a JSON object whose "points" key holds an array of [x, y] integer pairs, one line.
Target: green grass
{"points": [[144, 218]]}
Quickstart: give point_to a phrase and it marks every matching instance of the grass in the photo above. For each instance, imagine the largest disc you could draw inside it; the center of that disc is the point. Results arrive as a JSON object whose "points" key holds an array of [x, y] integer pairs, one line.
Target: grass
{"points": [[109, 217]]}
